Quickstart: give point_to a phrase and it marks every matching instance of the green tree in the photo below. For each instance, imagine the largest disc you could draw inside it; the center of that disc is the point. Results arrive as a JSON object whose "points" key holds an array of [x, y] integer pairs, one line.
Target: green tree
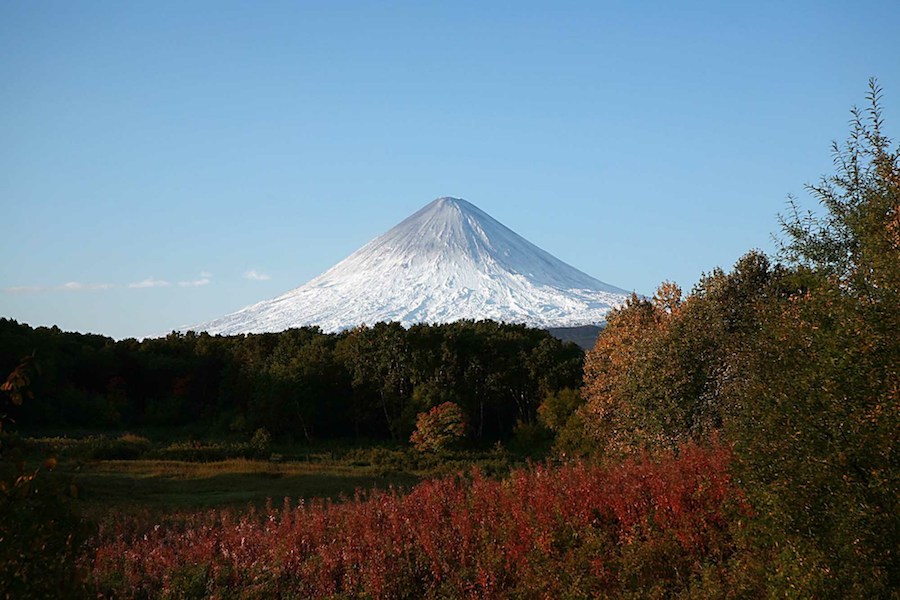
{"points": [[379, 361], [819, 403], [857, 238], [558, 407]]}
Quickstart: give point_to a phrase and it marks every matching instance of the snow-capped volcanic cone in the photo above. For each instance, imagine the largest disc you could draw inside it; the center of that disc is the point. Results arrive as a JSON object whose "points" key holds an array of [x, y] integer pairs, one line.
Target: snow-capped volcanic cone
{"points": [[447, 262]]}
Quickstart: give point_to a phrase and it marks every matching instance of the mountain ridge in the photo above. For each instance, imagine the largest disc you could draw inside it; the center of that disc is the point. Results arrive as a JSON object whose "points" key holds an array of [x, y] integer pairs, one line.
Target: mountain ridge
{"points": [[447, 261]]}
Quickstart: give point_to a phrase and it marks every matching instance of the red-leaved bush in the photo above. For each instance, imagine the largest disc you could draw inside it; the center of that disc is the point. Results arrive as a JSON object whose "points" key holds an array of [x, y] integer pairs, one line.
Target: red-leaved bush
{"points": [[648, 526]]}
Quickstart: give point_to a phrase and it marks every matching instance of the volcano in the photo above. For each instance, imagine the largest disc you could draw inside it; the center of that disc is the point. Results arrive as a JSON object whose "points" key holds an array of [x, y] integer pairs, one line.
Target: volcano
{"points": [[448, 261]]}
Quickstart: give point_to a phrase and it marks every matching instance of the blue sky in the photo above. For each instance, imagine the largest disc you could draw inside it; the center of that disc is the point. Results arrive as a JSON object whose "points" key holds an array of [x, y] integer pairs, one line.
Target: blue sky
{"points": [[165, 163]]}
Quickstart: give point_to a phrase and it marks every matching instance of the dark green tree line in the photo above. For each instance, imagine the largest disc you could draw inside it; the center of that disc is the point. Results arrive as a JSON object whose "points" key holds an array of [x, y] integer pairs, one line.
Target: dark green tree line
{"points": [[370, 382]]}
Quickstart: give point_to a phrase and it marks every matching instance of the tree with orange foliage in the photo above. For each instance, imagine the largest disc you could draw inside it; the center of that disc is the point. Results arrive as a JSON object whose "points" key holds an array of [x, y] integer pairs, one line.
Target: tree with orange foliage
{"points": [[607, 416], [656, 376], [439, 428]]}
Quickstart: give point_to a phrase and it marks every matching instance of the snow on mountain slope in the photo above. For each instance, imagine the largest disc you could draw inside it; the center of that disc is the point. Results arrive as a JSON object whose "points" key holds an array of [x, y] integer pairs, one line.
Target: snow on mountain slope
{"points": [[448, 261]]}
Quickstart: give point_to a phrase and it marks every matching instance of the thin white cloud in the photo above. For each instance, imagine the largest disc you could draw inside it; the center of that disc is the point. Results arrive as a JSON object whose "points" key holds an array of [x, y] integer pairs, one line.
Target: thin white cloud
{"points": [[195, 283], [150, 282], [255, 275], [69, 286], [76, 286]]}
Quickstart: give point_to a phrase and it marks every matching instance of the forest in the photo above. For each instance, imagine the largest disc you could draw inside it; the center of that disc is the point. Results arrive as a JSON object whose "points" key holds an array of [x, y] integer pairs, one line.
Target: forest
{"points": [[370, 382], [734, 441]]}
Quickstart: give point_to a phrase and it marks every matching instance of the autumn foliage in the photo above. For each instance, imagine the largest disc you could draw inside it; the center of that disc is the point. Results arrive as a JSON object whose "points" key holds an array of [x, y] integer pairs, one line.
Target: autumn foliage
{"points": [[646, 525], [439, 428]]}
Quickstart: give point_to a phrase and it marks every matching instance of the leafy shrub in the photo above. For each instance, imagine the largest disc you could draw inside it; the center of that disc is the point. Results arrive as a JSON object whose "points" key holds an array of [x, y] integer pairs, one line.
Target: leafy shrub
{"points": [[261, 442], [559, 412], [126, 447], [439, 428], [40, 535]]}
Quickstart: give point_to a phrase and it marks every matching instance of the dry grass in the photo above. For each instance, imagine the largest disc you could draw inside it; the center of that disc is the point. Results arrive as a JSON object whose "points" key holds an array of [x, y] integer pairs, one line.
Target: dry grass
{"points": [[185, 470]]}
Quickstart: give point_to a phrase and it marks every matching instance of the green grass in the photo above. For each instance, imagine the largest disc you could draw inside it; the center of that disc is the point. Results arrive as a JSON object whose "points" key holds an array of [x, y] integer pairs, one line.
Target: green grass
{"points": [[178, 485]]}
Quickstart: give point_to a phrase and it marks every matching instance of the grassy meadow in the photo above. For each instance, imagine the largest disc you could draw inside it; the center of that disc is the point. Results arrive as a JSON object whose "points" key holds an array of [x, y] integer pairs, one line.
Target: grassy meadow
{"points": [[165, 484], [173, 476]]}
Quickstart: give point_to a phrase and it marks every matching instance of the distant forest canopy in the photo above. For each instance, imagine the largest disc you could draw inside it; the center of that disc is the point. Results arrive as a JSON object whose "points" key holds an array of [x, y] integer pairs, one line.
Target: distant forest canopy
{"points": [[368, 382]]}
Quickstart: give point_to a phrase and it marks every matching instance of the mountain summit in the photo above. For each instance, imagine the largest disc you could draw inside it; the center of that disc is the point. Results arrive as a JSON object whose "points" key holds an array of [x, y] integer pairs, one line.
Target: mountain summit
{"points": [[449, 261]]}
